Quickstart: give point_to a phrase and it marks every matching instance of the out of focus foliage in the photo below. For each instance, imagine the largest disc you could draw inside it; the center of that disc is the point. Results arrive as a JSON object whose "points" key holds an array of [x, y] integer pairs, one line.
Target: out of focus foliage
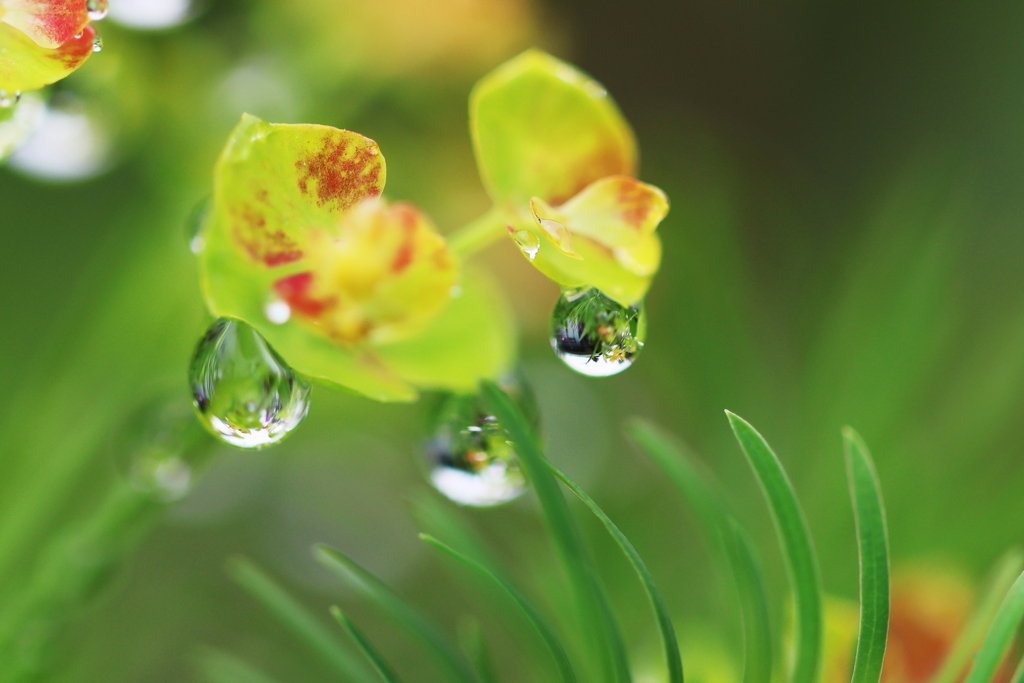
{"points": [[845, 246]]}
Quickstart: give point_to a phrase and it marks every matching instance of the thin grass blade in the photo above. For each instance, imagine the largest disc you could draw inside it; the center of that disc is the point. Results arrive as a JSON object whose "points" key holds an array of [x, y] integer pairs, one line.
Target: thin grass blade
{"points": [[376, 660], [873, 547], [377, 592], [1007, 569], [712, 510], [293, 616], [797, 551], [471, 638], [593, 606], [535, 618], [1000, 635], [667, 631]]}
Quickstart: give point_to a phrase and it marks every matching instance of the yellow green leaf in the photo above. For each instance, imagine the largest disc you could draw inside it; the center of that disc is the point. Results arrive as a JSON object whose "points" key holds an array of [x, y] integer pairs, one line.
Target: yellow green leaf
{"points": [[29, 66], [543, 129]]}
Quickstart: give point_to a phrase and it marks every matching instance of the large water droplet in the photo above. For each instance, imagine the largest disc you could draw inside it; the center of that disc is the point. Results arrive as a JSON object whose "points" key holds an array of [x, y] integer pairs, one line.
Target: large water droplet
{"points": [[97, 9], [528, 242], [471, 459], [594, 335], [242, 390], [9, 98]]}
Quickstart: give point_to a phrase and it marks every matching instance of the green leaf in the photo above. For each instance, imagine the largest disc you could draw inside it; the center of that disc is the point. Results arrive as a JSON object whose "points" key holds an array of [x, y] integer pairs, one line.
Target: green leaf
{"points": [[873, 545], [372, 290], [674, 664], [798, 553], [294, 617], [538, 622], [27, 66], [1000, 635], [593, 609], [471, 637], [1007, 570], [387, 601], [367, 648], [541, 128], [713, 512]]}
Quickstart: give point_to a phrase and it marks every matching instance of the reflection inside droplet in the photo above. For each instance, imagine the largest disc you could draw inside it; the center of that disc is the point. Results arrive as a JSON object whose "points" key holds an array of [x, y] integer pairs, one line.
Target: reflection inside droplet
{"points": [[595, 335], [278, 312], [97, 9], [242, 390], [150, 15], [528, 242]]}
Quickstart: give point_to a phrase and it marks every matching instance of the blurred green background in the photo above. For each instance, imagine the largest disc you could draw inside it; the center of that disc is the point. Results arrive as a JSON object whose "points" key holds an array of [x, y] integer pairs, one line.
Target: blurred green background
{"points": [[844, 247]]}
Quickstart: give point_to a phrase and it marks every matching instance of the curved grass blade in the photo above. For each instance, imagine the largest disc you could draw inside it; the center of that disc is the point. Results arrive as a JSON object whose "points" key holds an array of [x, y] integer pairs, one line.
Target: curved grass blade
{"points": [[797, 551], [713, 512], [376, 660], [1006, 571], [593, 606], [873, 547], [1004, 627], [387, 601], [667, 631], [533, 616], [296, 619]]}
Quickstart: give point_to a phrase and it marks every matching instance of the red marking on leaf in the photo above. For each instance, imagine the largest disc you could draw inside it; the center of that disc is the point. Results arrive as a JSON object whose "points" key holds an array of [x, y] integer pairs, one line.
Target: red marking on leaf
{"points": [[295, 292], [272, 248], [75, 51], [634, 201], [340, 179], [604, 162], [406, 214], [49, 23]]}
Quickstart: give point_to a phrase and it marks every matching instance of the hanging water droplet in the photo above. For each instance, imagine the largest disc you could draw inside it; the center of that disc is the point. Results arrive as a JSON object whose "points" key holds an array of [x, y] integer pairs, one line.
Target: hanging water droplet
{"points": [[194, 225], [471, 460], [78, 36], [594, 335], [9, 98], [97, 9], [97, 44], [242, 390], [528, 242]]}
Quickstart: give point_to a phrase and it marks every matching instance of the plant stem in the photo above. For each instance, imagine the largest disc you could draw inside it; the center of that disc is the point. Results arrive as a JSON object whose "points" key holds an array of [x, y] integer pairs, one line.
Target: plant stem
{"points": [[478, 234]]}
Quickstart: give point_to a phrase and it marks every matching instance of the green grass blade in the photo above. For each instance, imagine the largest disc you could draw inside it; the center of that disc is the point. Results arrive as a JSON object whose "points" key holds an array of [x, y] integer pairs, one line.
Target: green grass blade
{"points": [[471, 637], [387, 601], [375, 658], [674, 662], [1000, 635], [797, 551], [535, 618], [293, 616], [712, 510], [1006, 571], [1018, 675], [593, 607], [220, 667], [873, 547]]}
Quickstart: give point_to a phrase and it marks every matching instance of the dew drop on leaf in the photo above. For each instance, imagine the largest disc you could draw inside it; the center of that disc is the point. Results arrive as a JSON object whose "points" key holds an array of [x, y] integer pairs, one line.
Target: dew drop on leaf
{"points": [[594, 335], [242, 390], [469, 454], [97, 10], [528, 242], [9, 98]]}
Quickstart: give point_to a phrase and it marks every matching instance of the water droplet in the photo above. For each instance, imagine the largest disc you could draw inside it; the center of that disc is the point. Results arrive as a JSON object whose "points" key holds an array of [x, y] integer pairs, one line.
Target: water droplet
{"points": [[97, 9], [242, 390], [528, 242], [78, 36], [558, 233], [277, 311], [471, 460], [194, 225], [594, 335], [97, 44], [9, 98]]}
